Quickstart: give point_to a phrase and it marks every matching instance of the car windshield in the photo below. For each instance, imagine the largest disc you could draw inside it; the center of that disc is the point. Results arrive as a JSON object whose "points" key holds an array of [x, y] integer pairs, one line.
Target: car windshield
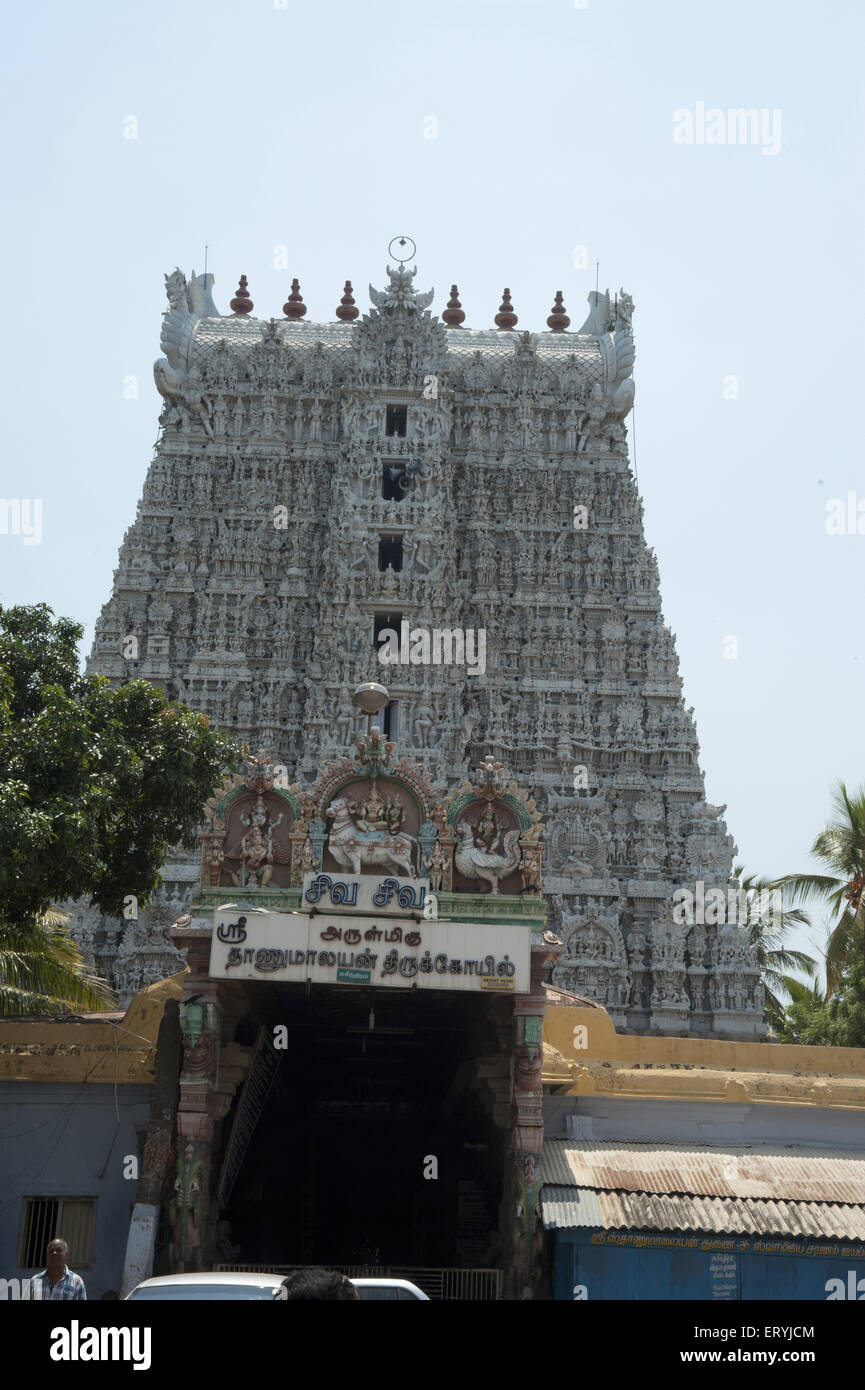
{"points": [[173, 1292]]}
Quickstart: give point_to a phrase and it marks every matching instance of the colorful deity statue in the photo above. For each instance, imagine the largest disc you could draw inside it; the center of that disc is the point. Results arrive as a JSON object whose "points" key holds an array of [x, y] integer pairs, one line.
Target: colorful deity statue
{"points": [[436, 867], [370, 814], [255, 849], [487, 831]]}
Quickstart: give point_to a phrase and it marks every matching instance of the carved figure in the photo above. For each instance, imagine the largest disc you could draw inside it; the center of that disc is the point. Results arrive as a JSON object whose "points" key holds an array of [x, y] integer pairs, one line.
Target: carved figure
{"points": [[255, 849], [436, 867], [423, 722], [215, 856], [487, 833], [530, 869], [478, 864], [353, 847], [374, 747]]}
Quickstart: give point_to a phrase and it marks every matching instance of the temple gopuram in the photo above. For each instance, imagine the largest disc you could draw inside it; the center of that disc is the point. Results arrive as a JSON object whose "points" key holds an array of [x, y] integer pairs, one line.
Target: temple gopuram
{"points": [[449, 509]]}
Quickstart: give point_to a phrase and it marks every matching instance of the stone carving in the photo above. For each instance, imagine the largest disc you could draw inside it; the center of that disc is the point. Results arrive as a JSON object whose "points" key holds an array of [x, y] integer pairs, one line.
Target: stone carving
{"points": [[530, 867], [481, 864], [436, 867], [370, 836], [595, 963], [255, 849], [400, 293], [187, 302]]}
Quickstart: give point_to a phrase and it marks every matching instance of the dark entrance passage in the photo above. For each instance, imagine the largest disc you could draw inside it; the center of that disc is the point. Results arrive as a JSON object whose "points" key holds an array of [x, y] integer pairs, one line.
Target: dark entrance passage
{"points": [[383, 1139]]}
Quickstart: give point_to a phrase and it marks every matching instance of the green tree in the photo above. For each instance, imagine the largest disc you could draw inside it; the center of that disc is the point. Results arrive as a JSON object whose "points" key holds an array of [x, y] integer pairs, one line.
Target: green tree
{"points": [[769, 923], [96, 784], [841, 847], [839, 1021]]}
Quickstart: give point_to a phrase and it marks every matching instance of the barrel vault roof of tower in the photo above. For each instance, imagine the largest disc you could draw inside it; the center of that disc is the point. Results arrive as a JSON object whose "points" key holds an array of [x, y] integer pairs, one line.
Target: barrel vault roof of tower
{"points": [[600, 351]]}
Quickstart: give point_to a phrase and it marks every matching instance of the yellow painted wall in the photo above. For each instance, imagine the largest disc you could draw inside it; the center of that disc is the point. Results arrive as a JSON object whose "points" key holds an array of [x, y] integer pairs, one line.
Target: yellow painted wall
{"points": [[602, 1061], [97, 1051]]}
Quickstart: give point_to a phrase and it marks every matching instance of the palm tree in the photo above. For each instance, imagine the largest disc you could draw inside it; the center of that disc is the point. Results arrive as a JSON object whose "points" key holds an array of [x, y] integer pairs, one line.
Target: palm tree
{"points": [[767, 930], [805, 1010], [841, 846], [806, 992], [42, 970]]}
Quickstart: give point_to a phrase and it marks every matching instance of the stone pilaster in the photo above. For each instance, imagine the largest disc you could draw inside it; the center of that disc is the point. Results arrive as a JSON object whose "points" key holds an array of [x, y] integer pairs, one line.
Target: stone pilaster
{"points": [[523, 1178], [191, 1207]]}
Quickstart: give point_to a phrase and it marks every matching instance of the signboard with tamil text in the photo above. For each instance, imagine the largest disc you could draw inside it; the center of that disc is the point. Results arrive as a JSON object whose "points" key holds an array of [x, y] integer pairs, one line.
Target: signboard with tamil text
{"points": [[363, 949], [365, 893]]}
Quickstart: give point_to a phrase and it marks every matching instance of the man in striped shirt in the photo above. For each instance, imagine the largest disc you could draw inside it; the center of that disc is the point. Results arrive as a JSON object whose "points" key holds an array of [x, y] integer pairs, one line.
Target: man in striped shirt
{"points": [[55, 1280]]}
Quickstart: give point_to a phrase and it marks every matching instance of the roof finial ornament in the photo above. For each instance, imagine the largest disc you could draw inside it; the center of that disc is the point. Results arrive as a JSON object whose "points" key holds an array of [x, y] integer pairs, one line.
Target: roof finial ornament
{"points": [[558, 320], [400, 293], [294, 307], [506, 318], [489, 780], [402, 248], [346, 309], [241, 303], [454, 314]]}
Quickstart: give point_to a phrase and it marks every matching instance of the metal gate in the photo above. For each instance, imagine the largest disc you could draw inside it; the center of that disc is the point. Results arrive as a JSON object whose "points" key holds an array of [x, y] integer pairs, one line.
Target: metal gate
{"points": [[468, 1284]]}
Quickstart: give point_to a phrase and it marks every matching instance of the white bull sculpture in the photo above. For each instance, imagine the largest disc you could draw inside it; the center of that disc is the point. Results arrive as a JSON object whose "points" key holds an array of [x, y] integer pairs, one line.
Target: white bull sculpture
{"points": [[352, 848]]}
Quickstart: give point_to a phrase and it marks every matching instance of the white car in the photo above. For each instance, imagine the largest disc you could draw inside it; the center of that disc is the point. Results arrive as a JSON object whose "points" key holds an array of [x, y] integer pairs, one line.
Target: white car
{"points": [[241, 1286], [207, 1286], [401, 1289]]}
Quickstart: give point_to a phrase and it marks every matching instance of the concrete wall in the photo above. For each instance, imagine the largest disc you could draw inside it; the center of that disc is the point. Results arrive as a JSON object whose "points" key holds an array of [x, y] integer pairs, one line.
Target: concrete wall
{"points": [[59, 1140], [709, 1122]]}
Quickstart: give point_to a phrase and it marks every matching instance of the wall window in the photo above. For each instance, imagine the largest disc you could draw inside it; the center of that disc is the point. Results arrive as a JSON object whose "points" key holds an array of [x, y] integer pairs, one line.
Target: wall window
{"points": [[383, 620], [390, 727], [392, 477], [396, 421], [71, 1218], [390, 552]]}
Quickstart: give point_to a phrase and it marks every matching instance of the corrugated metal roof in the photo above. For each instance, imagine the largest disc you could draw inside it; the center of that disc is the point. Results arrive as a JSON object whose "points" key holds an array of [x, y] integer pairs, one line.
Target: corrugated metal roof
{"points": [[564, 1208], [767, 1172]]}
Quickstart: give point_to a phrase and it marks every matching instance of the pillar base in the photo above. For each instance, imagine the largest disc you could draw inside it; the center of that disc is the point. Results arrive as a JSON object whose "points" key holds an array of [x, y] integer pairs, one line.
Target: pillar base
{"points": [[140, 1246]]}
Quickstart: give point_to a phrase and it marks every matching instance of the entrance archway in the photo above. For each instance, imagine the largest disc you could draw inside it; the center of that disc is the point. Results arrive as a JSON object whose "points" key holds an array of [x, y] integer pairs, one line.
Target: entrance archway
{"points": [[381, 1141]]}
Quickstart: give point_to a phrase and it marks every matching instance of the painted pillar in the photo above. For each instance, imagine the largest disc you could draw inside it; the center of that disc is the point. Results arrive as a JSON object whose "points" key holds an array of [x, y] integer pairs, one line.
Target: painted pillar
{"points": [[190, 1209], [525, 1244], [158, 1153]]}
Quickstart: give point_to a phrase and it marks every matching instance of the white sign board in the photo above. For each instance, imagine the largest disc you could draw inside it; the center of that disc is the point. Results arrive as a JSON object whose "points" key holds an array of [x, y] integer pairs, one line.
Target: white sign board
{"points": [[361, 950]]}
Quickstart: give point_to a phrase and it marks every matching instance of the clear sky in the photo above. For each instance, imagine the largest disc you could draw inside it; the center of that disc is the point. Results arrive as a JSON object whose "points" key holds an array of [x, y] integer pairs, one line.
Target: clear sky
{"points": [[504, 137]]}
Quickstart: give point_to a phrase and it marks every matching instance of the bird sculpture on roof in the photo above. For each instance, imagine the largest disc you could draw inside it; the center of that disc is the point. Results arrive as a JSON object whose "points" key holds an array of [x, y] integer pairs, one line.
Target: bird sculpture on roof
{"points": [[400, 293], [187, 303], [477, 864]]}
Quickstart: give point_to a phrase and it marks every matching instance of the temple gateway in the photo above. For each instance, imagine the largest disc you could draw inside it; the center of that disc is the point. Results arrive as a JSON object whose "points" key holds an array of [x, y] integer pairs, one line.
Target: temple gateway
{"points": [[362, 1037]]}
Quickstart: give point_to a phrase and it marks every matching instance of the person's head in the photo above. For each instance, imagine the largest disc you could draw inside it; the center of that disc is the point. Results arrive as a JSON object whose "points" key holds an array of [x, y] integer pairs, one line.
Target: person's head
{"points": [[56, 1254], [317, 1286]]}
